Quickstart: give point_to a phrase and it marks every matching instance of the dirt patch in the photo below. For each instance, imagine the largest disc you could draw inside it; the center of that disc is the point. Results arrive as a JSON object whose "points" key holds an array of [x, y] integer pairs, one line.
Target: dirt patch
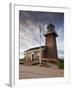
{"points": [[27, 72]]}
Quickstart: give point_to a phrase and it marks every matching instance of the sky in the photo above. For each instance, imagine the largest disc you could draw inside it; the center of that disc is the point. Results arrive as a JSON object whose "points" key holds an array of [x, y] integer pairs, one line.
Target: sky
{"points": [[30, 23]]}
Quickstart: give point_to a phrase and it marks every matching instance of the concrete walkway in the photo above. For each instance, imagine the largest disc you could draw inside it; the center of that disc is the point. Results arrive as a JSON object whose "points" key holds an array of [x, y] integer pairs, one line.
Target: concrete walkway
{"points": [[27, 72]]}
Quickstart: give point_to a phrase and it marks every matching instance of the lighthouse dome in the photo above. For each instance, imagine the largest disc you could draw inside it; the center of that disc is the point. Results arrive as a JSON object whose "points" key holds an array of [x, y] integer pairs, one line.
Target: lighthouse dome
{"points": [[51, 27]]}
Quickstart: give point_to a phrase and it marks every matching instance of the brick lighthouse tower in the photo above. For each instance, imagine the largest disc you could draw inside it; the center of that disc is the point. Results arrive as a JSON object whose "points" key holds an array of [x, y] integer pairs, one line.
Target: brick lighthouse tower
{"points": [[50, 42]]}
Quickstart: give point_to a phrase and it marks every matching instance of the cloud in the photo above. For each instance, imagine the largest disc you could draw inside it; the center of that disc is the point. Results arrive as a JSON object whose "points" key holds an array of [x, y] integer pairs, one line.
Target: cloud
{"points": [[61, 54], [29, 35], [30, 32], [60, 39]]}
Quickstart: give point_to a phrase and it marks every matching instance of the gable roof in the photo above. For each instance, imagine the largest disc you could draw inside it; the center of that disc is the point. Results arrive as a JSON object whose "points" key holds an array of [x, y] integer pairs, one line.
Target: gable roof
{"points": [[34, 48]]}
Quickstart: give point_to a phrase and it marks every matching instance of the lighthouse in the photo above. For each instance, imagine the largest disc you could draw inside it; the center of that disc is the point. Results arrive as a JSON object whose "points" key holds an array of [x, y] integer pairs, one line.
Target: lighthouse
{"points": [[50, 42]]}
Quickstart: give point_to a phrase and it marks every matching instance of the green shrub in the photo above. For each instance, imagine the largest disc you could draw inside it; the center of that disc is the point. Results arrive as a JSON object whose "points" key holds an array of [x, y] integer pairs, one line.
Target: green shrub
{"points": [[61, 64]]}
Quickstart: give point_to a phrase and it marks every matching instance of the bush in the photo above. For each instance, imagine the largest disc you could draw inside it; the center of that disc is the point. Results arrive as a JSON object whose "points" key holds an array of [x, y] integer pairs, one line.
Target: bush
{"points": [[61, 64]]}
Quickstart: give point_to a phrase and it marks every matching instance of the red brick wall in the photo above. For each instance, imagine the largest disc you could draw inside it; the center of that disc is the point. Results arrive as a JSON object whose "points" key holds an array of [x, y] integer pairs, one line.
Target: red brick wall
{"points": [[44, 54], [52, 48]]}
